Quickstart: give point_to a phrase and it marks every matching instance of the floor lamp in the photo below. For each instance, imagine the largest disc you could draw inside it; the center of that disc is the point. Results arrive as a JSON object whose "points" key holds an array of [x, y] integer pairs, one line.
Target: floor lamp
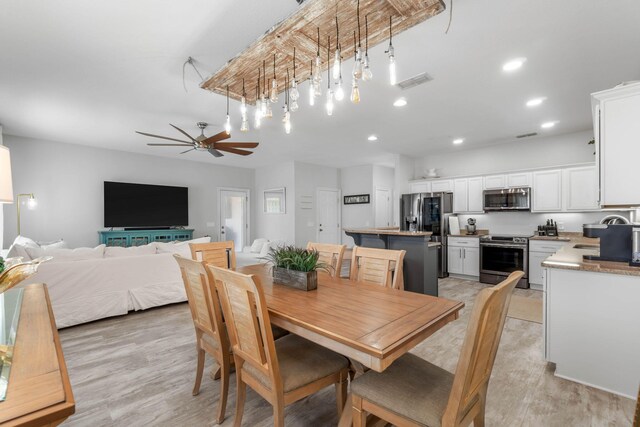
{"points": [[31, 204]]}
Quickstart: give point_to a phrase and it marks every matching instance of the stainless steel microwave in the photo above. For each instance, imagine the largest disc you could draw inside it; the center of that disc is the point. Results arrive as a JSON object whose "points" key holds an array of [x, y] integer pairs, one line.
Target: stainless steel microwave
{"points": [[507, 199]]}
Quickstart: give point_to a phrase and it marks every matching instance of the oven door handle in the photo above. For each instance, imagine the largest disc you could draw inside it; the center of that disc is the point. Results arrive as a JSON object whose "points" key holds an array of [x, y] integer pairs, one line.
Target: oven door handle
{"points": [[497, 245]]}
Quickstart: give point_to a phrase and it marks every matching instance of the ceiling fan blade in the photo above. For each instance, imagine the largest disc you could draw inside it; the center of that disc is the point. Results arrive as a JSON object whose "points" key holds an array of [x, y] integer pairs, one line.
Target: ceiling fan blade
{"points": [[235, 151], [187, 151], [215, 153], [162, 137], [217, 137], [171, 145], [195, 141], [235, 144]]}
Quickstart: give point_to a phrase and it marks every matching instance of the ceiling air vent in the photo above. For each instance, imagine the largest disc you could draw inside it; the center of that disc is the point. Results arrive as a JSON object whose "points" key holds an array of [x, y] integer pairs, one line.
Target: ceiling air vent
{"points": [[527, 135], [415, 81]]}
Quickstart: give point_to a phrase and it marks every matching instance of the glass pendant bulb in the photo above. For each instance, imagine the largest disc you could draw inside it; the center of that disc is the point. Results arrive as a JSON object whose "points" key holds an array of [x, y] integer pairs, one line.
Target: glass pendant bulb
{"points": [[317, 88], [287, 126], [294, 106], [294, 94], [274, 91], [355, 92], [257, 118], [263, 106], [367, 75], [312, 93], [243, 105], [329, 104], [318, 75], [244, 126], [339, 90], [336, 64], [227, 125], [357, 66], [269, 112], [392, 66]]}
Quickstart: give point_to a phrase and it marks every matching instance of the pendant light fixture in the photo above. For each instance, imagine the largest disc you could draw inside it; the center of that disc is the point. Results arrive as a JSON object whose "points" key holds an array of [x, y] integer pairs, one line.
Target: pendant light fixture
{"points": [[312, 92], [274, 83], [227, 124], [294, 94], [263, 103], [329, 104], [355, 90], [357, 66], [392, 57], [317, 80], [286, 119], [367, 75], [337, 63], [244, 126], [339, 86], [257, 117]]}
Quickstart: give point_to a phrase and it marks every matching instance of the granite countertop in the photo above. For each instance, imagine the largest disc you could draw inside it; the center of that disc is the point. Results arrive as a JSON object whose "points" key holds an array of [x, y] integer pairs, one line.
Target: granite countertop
{"points": [[388, 231], [573, 237], [570, 258], [463, 233]]}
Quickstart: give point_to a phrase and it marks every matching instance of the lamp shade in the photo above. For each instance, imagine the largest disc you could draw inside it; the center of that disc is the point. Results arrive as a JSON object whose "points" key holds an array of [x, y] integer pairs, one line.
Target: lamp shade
{"points": [[6, 186]]}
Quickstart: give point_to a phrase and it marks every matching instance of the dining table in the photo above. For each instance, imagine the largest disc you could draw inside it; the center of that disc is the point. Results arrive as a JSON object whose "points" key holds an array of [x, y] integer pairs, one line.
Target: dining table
{"points": [[370, 324]]}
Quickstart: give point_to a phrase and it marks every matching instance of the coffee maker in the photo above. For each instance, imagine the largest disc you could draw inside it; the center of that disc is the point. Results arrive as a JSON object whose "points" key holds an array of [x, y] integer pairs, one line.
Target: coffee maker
{"points": [[615, 241]]}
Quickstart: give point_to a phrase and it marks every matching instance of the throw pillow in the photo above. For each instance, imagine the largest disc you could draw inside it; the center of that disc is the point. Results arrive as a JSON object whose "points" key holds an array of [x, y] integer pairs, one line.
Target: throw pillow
{"points": [[56, 244], [19, 248], [180, 248], [256, 246], [265, 249], [118, 252], [77, 254]]}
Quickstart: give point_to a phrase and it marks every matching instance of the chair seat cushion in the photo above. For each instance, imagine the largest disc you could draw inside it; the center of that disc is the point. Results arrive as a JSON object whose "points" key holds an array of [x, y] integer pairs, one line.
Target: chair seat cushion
{"points": [[301, 362], [410, 387]]}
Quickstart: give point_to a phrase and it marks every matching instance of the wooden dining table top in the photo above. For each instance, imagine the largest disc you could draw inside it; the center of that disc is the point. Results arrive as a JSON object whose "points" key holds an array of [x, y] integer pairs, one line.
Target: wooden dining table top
{"points": [[371, 324]]}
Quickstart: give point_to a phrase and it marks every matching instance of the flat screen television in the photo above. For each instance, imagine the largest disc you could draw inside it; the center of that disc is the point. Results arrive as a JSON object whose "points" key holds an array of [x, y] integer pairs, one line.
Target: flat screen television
{"points": [[145, 206]]}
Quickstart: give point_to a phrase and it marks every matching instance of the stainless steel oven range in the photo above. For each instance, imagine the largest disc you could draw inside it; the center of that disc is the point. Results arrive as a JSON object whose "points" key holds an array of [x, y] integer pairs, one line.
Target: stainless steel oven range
{"points": [[502, 255]]}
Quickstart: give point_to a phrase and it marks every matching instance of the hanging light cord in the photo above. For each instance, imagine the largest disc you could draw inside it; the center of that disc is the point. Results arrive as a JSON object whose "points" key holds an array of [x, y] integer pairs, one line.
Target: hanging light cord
{"points": [[450, 16], [294, 64], [191, 62], [358, 13], [337, 34], [366, 34], [328, 62], [318, 53], [227, 100]]}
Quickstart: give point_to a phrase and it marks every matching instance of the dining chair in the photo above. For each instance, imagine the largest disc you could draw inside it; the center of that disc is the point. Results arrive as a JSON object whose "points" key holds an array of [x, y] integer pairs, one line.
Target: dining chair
{"points": [[282, 371], [378, 266], [211, 332], [220, 254], [414, 392], [330, 255]]}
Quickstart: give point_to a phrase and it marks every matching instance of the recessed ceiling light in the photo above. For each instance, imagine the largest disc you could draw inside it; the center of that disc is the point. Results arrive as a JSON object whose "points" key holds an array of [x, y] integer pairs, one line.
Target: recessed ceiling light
{"points": [[372, 138], [400, 102], [513, 64], [534, 102], [547, 125], [458, 141]]}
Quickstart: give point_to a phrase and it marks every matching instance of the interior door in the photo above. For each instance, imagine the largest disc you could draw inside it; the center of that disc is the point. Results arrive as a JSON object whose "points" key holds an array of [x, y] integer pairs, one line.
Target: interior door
{"points": [[382, 216], [328, 208], [234, 221]]}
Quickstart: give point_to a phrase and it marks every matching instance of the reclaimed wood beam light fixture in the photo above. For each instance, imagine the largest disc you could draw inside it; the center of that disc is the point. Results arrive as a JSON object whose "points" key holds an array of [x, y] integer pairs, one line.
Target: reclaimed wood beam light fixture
{"points": [[299, 31]]}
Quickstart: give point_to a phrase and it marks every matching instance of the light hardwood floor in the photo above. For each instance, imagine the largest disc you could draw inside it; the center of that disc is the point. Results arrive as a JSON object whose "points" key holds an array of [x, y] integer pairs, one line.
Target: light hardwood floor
{"points": [[138, 370]]}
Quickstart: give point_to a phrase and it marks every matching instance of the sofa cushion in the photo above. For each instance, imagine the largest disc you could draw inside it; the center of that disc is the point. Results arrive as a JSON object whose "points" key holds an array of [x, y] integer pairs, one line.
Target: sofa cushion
{"points": [[180, 248], [55, 244], [62, 254], [257, 245], [117, 251]]}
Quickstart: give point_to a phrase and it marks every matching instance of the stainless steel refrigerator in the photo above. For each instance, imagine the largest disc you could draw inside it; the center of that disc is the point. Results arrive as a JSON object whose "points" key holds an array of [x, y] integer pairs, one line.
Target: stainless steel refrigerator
{"points": [[429, 212]]}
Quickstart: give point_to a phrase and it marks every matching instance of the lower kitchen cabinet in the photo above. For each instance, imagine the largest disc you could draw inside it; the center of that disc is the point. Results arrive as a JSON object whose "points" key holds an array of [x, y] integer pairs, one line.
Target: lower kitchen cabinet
{"points": [[539, 250], [464, 256]]}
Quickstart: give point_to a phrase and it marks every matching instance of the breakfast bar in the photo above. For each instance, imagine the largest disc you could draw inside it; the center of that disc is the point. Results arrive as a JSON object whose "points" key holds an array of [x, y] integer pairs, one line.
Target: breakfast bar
{"points": [[420, 262]]}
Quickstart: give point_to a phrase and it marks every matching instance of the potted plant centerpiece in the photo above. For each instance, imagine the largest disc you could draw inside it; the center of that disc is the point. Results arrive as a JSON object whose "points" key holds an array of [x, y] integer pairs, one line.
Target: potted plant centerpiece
{"points": [[295, 267]]}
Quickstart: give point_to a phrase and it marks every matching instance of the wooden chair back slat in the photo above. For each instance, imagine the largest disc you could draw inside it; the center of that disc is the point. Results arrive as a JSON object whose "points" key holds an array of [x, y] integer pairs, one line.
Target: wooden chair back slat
{"points": [[378, 266], [479, 349], [330, 255], [220, 254], [247, 319]]}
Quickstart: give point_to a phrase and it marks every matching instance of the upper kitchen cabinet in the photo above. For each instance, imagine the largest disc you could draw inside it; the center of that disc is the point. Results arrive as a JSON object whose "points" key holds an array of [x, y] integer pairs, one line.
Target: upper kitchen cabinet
{"points": [[467, 195], [522, 179], [616, 114], [547, 191], [495, 182], [581, 188], [420, 187], [442, 185]]}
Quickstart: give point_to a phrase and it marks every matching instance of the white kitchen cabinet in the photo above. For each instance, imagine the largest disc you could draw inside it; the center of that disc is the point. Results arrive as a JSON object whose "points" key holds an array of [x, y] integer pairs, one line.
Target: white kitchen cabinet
{"points": [[522, 179], [442, 185], [493, 182], [547, 191], [420, 187], [474, 190], [464, 256], [539, 250], [617, 132], [467, 195], [581, 188]]}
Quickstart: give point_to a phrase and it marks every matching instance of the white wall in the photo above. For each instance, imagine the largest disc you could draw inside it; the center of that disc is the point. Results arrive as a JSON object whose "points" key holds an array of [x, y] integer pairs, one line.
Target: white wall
{"points": [[525, 154], [356, 180], [68, 181], [308, 178], [384, 178], [275, 226], [1, 207]]}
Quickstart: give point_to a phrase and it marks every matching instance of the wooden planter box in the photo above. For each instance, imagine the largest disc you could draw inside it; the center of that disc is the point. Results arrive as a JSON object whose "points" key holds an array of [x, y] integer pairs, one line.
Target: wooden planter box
{"points": [[307, 281]]}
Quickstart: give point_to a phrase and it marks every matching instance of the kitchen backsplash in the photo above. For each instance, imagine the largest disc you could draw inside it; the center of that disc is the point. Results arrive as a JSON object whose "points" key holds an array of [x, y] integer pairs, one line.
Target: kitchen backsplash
{"points": [[526, 223]]}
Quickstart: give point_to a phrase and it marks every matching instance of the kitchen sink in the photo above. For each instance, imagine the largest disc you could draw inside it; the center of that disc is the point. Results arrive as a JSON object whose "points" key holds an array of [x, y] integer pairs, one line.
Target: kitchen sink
{"points": [[585, 246]]}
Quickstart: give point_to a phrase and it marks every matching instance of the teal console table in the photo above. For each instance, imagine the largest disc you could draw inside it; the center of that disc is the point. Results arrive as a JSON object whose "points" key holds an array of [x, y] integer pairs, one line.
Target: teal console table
{"points": [[126, 238]]}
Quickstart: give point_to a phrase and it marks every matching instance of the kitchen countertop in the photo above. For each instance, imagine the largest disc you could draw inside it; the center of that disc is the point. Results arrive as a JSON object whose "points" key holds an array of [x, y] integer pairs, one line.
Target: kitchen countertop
{"points": [[570, 258], [388, 232], [463, 233], [573, 237]]}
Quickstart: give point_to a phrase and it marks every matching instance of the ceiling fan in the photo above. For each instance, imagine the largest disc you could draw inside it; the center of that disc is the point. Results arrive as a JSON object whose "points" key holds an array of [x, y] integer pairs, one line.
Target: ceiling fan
{"points": [[203, 143]]}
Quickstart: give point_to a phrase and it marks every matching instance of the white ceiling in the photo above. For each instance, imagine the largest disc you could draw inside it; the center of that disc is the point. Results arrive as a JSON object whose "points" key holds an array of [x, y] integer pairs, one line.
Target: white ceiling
{"points": [[91, 73]]}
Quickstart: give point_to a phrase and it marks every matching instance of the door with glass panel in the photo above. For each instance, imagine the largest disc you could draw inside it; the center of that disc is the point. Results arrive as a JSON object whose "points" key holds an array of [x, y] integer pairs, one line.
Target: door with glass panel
{"points": [[234, 219]]}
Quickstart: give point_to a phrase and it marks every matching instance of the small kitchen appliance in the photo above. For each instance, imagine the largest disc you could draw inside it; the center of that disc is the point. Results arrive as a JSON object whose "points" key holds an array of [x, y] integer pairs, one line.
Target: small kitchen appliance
{"points": [[471, 226], [507, 199], [635, 244], [615, 241]]}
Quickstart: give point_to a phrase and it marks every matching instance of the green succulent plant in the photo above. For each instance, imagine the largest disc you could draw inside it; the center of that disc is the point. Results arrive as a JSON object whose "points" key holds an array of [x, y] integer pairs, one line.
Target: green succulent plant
{"points": [[1, 264], [297, 259]]}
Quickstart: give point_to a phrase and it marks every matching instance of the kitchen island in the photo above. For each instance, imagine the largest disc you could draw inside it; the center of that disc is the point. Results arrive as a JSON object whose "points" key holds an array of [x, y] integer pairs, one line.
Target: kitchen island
{"points": [[591, 318], [420, 267]]}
